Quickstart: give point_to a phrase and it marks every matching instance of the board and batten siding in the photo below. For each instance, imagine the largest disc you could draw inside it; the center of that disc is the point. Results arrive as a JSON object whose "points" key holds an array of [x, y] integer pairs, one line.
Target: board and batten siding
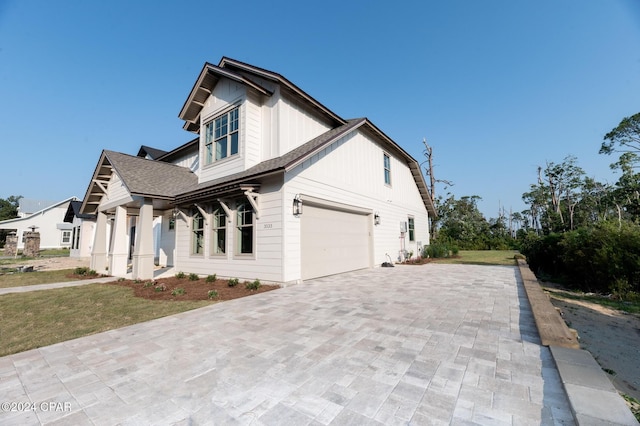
{"points": [[224, 96], [297, 125], [266, 264], [334, 174]]}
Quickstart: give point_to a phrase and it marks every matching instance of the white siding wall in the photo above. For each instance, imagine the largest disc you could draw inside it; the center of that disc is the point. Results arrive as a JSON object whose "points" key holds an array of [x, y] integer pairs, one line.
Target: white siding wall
{"points": [[167, 241], [46, 223], [296, 125], [117, 193], [334, 174], [267, 262], [190, 161], [225, 94]]}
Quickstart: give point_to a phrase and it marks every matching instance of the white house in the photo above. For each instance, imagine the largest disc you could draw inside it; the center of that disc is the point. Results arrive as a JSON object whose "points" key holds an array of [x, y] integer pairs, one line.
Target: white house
{"points": [[274, 186], [82, 230], [45, 217]]}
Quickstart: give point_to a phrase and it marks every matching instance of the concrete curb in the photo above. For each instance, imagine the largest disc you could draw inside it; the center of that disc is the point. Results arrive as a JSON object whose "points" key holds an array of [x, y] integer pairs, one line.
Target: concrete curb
{"points": [[592, 397]]}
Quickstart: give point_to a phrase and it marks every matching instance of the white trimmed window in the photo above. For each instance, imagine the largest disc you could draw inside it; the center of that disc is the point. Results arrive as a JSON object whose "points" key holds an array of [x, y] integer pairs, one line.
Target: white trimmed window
{"points": [[387, 169], [244, 229], [197, 233], [221, 138], [219, 230], [66, 237], [412, 229]]}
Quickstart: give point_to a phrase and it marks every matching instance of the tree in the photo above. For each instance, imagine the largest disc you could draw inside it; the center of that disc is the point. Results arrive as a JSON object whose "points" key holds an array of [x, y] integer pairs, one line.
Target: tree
{"points": [[623, 138], [8, 210], [462, 223], [429, 172]]}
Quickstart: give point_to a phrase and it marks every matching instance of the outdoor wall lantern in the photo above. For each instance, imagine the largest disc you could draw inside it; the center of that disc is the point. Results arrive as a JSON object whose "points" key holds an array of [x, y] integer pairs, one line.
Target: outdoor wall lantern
{"points": [[376, 218], [297, 205]]}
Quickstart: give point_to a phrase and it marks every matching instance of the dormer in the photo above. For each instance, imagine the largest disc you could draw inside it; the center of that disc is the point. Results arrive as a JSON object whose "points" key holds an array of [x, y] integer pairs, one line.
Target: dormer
{"points": [[245, 115]]}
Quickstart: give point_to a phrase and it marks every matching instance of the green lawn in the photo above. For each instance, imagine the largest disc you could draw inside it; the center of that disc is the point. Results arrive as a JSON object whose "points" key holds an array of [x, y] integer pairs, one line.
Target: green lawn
{"points": [[33, 278], [41, 318], [483, 257]]}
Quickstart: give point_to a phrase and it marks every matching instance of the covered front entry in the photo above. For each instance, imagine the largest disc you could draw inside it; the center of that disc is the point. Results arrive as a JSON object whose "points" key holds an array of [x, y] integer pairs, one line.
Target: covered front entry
{"points": [[334, 239]]}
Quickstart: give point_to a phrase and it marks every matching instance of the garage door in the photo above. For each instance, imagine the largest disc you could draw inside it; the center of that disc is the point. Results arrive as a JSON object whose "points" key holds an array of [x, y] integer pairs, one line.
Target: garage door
{"points": [[333, 241]]}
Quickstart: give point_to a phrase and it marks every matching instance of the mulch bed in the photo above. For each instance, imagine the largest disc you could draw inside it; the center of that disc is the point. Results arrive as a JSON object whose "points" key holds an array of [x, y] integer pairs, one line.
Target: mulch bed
{"points": [[163, 288]]}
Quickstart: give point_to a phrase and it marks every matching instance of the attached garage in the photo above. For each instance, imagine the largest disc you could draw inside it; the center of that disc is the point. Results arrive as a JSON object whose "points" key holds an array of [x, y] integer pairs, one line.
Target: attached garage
{"points": [[335, 238]]}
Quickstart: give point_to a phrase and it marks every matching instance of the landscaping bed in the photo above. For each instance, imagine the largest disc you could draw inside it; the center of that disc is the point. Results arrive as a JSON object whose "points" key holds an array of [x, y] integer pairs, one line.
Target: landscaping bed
{"points": [[190, 288]]}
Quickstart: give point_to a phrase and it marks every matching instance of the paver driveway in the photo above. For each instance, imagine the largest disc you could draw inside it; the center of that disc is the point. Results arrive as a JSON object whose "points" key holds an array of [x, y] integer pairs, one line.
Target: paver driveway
{"points": [[434, 344]]}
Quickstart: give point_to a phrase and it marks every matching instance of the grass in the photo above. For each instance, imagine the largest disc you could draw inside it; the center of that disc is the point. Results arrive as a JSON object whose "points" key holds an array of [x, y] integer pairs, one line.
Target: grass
{"points": [[43, 253], [632, 307], [35, 319], [33, 278], [482, 257]]}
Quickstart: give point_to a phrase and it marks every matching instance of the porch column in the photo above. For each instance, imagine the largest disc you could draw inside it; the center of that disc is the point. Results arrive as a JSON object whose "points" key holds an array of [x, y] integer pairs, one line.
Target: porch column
{"points": [[119, 244], [99, 249], [143, 252]]}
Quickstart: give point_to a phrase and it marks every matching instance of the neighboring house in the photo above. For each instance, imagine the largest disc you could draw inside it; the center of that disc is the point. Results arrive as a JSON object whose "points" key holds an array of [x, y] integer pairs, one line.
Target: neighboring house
{"points": [[82, 231], [45, 217], [275, 186]]}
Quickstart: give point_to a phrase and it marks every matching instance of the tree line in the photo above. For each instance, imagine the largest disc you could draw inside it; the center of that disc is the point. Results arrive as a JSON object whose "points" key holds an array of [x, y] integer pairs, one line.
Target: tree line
{"points": [[8, 210], [574, 228]]}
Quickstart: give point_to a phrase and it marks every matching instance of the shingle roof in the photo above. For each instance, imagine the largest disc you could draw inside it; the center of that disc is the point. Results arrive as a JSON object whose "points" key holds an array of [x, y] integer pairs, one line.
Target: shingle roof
{"points": [[154, 153], [151, 178], [282, 163]]}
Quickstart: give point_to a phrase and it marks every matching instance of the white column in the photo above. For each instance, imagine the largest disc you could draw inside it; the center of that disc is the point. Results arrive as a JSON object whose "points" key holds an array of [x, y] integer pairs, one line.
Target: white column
{"points": [[119, 244], [143, 252], [99, 250]]}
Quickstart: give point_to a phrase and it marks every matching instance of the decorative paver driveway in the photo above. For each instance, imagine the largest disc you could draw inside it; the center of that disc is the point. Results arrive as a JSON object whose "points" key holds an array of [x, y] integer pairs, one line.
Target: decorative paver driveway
{"points": [[434, 344]]}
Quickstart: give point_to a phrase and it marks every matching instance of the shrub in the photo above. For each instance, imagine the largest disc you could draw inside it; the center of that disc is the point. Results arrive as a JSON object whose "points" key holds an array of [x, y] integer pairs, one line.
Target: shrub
{"points": [[233, 282], [211, 278], [254, 285], [212, 294], [180, 275], [440, 250], [160, 287], [193, 277], [81, 270], [177, 292], [148, 284]]}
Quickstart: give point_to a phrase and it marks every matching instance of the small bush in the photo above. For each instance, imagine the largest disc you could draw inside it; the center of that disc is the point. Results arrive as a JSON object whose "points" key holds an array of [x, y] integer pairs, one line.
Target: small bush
{"points": [[193, 277], [212, 294], [160, 287], [180, 275], [211, 278], [81, 270], [233, 282], [177, 292], [439, 250], [148, 284], [254, 285]]}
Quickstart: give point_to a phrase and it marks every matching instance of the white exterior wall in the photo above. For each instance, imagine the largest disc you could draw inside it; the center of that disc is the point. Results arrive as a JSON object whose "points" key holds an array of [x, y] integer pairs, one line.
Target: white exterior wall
{"points": [[167, 249], [224, 96], [332, 174], [117, 194], [47, 223], [297, 125], [190, 161], [86, 228], [265, 264]]}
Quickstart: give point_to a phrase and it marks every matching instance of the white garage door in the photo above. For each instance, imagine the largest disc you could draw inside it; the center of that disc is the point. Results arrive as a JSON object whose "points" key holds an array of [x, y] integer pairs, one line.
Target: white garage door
{"points": [[333, 241]]}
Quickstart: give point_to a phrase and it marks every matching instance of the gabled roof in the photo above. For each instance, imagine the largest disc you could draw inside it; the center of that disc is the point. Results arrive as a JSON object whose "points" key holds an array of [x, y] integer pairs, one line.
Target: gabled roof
{"points": [[237, 71], [29, 206], [298, 155], [31, 216], [140, 176], [154, 153], [74, 211]]}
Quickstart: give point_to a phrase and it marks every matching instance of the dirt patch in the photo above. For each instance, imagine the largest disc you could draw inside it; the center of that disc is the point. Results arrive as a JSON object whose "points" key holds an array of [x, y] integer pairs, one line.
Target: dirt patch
{"points": [[611, 336], [185, 289], [52, 263]]}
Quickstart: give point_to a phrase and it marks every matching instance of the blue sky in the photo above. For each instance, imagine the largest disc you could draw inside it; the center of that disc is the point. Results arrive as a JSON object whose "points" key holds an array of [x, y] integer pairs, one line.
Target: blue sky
{"points": [[497, 87]]}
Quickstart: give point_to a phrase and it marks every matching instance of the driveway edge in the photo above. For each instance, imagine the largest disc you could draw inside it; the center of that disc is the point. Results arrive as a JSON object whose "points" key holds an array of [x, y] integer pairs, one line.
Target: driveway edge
{"points": [[592, 397]]}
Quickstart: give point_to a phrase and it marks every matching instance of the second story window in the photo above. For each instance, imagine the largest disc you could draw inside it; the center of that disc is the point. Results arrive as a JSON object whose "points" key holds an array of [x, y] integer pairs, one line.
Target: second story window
{"points": [[387, 169], [221, 136]]}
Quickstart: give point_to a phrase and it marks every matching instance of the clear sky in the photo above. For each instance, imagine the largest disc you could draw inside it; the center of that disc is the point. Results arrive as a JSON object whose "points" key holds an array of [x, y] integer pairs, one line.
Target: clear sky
{"points": [[497, 87]]}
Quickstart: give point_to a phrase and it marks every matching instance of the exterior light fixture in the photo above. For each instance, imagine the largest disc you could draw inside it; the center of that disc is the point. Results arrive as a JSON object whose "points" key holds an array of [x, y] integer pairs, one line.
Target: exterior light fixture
{"points": [[297, 205], [376, 218], [176, 212]]}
